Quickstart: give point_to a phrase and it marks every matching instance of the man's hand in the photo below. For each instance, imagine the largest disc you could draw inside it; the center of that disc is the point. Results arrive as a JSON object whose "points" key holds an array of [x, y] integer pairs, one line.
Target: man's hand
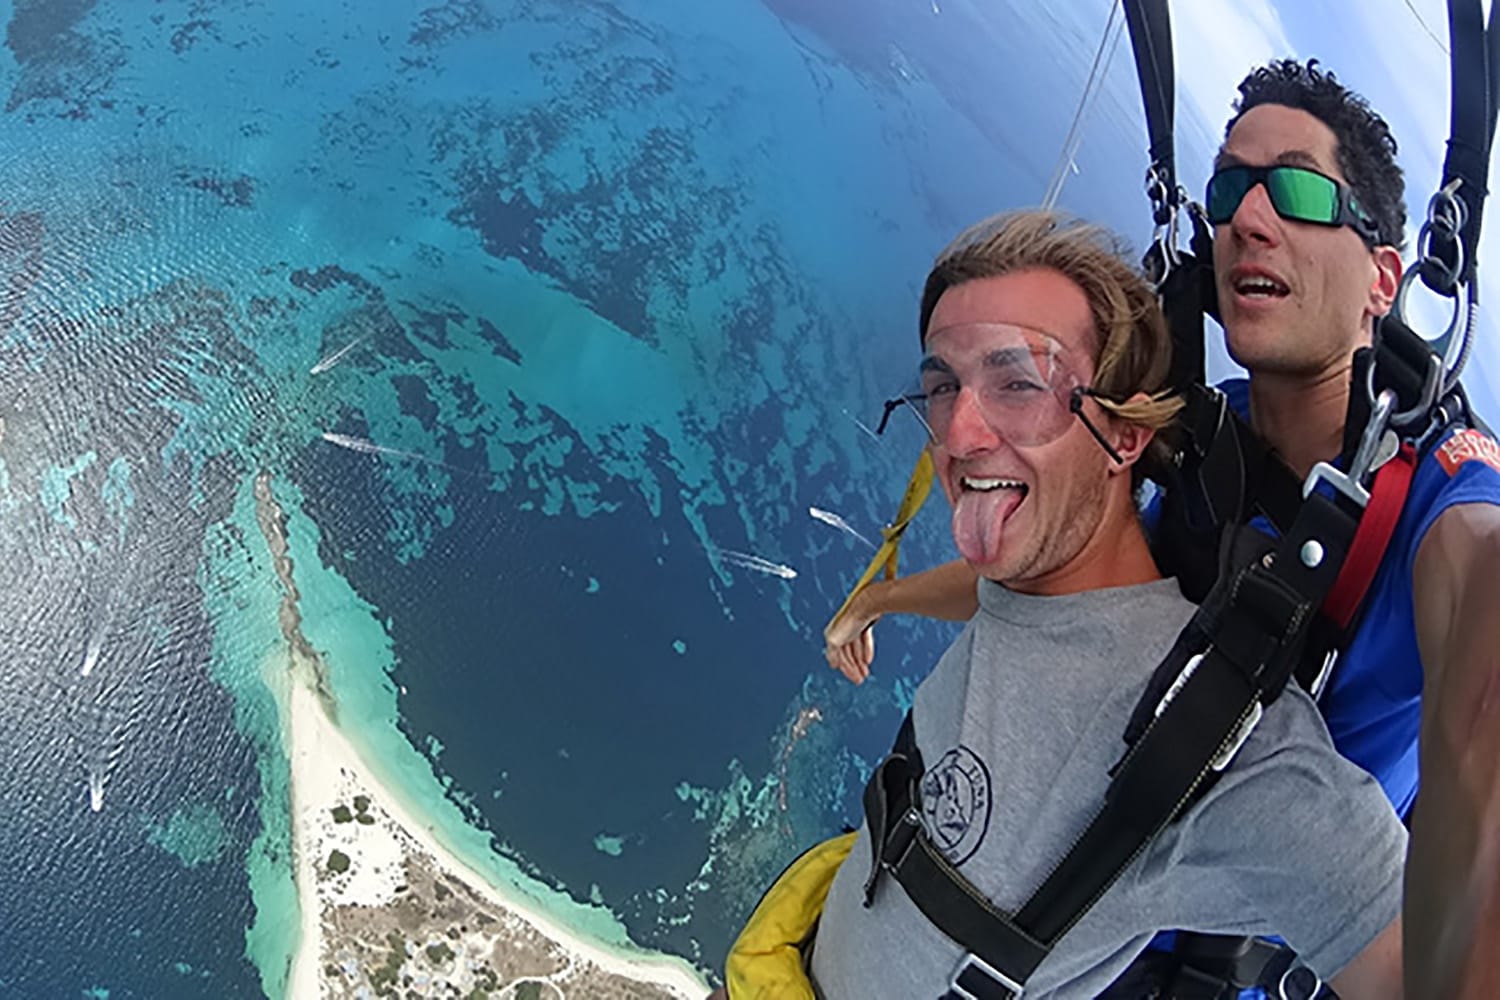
{"points": [[1452, 903], [947, 592], [849, 640]]}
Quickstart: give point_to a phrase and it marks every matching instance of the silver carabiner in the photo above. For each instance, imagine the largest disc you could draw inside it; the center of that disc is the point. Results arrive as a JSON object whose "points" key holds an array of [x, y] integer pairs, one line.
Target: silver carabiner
{"points": [[1463, 298], [1375, 447]]}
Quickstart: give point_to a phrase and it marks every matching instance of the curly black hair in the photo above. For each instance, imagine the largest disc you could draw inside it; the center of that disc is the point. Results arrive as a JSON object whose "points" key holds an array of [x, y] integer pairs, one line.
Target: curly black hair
{"points": [[1366, 149]]}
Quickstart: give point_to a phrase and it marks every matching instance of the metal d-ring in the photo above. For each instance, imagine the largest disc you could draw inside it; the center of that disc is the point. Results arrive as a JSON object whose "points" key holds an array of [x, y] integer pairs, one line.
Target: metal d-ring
{"points": [[1449, 349], [1463, 297], [1285, 981]]}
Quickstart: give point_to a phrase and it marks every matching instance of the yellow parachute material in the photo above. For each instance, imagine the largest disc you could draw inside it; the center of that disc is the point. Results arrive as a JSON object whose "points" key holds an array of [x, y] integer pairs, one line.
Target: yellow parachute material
{"points": [[766, 960], [884, 561]]}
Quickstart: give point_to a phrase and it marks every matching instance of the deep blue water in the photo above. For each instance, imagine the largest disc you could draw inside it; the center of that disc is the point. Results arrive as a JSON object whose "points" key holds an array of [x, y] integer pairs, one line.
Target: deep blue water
{"points": [[615, 286]]}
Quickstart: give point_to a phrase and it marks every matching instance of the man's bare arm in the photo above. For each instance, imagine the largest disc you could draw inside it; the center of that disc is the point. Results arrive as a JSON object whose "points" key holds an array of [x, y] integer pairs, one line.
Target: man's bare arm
{"points": [[947, 591], [1375, 973], [1452, 902]]}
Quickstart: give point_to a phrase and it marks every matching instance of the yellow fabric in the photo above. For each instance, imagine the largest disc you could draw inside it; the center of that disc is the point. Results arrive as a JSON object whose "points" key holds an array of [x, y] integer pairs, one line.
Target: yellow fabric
{"points": [[766, 960], [917, 489]]}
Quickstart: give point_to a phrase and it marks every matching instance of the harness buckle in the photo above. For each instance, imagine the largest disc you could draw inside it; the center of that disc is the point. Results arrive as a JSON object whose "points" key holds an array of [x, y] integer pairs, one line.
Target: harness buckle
{"points": [[899, 844], [974, 973], [1295, 986], [1221, 759], [1376, 447], [1448, 344], [1177, 685]]}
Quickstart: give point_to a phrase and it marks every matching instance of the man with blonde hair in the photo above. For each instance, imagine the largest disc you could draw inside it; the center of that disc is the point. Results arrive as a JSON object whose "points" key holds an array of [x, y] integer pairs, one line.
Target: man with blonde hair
{"points": [[1043, 386]]}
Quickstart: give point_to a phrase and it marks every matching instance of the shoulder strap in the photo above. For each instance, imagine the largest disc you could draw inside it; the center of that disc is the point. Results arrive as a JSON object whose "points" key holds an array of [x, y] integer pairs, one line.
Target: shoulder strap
{"points": [[1474, 62]]}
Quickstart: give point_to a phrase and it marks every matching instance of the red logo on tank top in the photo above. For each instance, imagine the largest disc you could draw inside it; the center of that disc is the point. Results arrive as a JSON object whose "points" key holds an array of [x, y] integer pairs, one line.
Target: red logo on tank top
{"points": [[1469, 445]]}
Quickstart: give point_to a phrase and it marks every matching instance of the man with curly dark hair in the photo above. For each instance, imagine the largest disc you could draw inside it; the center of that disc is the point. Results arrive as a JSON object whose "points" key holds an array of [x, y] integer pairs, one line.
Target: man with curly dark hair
{"points": [[1420, 679], [1363, 144]]}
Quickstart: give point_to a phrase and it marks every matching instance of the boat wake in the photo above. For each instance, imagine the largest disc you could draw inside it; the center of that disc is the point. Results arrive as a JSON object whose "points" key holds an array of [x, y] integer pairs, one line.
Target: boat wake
{"points": [[833, 520], [324, 364], [747, 560]]}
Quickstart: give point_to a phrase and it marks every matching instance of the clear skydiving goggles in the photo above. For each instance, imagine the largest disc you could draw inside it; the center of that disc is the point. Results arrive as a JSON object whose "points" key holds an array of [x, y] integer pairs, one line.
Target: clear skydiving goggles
{"points": [[1296, 193], [1026, 389]]}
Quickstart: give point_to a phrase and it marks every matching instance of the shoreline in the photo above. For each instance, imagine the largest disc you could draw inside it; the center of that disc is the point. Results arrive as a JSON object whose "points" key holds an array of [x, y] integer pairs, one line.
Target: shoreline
{"points": [[322, 759], [361, 873]]}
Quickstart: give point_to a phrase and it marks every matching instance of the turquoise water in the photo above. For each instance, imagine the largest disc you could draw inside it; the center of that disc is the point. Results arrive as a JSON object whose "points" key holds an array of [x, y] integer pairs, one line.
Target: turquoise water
{"points": [[544, 318], [550, 322]]}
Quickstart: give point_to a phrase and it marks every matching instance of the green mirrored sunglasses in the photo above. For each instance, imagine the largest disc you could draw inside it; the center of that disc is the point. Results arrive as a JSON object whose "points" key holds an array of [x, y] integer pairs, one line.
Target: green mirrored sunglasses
{"points": [[1296, 193]]}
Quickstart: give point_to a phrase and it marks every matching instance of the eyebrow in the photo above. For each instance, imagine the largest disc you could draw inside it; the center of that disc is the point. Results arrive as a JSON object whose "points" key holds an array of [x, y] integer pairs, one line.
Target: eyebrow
{"points": [[1289, 158], [994, 359], [1008, 356]]}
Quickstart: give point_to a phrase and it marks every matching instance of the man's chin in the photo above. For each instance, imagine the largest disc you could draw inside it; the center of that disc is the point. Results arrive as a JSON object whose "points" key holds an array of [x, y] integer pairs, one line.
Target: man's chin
{"points": [[999, 570]]}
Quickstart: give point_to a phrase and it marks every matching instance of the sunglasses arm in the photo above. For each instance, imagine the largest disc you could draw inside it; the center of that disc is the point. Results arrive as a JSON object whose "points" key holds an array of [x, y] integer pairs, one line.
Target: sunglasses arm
{"points": [[1075, 403]]}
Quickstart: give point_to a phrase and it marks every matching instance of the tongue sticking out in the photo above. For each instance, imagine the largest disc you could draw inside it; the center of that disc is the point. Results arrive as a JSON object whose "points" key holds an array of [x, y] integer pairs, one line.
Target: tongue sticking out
{"points": [[979, 520]]}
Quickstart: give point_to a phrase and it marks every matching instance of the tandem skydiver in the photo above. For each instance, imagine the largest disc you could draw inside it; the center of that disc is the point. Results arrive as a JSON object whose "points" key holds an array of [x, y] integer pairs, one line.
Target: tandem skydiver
{"points": [[1044, 384], [1306, 204]]}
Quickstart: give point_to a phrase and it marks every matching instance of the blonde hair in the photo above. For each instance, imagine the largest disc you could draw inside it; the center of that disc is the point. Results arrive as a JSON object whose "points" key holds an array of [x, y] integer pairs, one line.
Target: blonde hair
{"points": [[1134, 348]]}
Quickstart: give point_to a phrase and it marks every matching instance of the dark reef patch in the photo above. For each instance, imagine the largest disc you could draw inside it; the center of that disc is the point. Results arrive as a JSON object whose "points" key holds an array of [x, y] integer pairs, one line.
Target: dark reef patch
{"points": [[412, 393], [188, 33], [502, 346], [39, 27], [235, 192], [438, 24], [57, 60], [332, 276]]}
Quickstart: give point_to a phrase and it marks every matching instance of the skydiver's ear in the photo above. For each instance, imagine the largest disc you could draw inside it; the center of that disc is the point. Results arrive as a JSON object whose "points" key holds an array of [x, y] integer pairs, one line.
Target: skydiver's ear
{"points": [[1387, 279], [1129, 438]]}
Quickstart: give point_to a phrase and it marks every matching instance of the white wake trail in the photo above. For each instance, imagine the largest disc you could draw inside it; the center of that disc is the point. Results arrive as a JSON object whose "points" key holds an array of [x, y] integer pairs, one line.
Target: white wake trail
{"points": [[367, 447], [861, 425], [833, 520], [326, 363], [747, 560]]}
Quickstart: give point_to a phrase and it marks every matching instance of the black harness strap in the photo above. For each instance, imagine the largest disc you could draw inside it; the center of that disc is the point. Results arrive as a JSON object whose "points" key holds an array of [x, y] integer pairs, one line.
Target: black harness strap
{"points": [[1151, 39], [1474, 61]]}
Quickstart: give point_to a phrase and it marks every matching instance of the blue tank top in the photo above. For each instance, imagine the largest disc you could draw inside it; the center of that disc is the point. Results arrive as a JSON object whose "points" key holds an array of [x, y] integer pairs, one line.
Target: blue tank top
{"points": [[1373, 700]]}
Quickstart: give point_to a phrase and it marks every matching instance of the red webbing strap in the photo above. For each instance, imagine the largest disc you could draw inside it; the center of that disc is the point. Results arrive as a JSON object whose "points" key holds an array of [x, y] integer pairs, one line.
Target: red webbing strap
{"points": [[1387, 497]]}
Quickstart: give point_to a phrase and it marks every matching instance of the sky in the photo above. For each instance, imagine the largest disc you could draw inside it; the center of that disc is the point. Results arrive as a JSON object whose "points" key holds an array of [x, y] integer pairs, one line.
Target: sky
{"points": [[1384, 49]]}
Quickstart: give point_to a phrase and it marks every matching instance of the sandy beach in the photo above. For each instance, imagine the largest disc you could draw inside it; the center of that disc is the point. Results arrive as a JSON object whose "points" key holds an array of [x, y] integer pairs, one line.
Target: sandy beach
{"points": [[387, 909], [327, 773]]}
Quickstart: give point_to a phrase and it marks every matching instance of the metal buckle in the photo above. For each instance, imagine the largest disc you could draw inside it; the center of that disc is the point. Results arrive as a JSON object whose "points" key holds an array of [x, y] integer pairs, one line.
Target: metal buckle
{"points": [[973, 961], [1325, 672], [1290, 978], [1372, 446], [911, 820], [1221, 759], [1182, 678], [1446, 342], [1447, 214]]}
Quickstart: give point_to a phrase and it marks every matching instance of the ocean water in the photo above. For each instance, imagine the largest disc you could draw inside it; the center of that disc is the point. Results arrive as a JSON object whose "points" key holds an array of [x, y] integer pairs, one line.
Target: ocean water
{"points": [[542, 316]]}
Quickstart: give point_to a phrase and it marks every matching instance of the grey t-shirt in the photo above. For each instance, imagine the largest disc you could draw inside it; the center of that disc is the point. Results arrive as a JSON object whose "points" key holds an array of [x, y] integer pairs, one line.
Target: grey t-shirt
{"points": [[1018, 725]]}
